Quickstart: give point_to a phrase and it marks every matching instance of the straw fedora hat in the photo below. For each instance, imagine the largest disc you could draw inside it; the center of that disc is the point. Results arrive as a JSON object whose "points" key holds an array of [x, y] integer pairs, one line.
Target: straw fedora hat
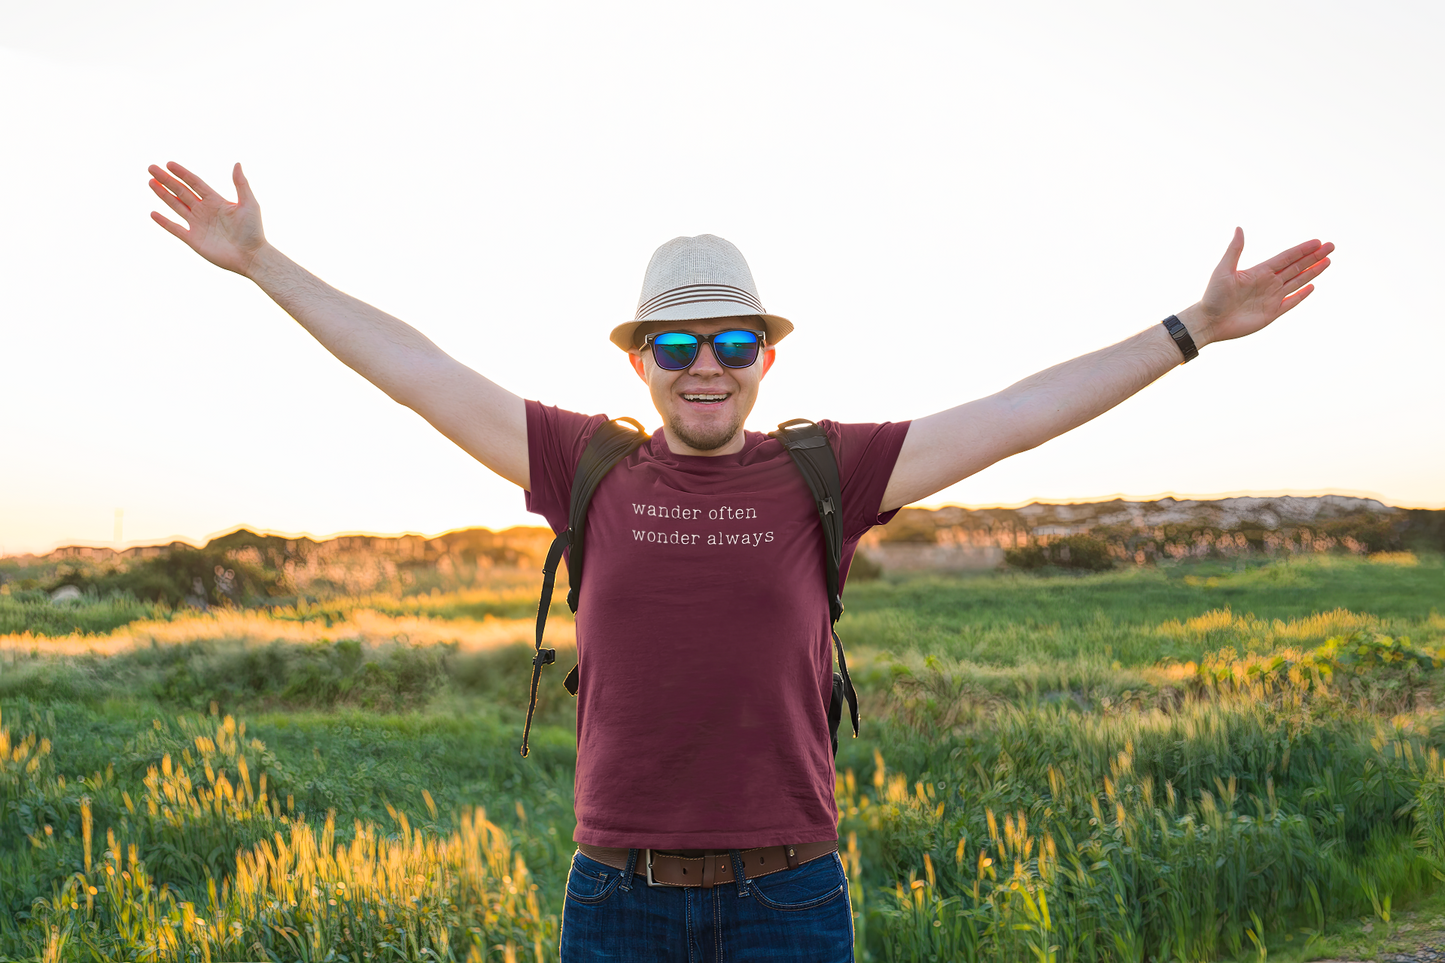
{"points": [[694, 279]]}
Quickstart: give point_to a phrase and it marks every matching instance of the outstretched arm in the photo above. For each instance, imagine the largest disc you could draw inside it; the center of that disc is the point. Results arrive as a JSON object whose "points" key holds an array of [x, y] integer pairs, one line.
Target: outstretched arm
{"points": [[947, 447], [486, 420]]}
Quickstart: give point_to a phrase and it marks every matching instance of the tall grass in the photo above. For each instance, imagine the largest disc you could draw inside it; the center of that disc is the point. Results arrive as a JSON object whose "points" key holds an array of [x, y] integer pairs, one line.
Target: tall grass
{"points": [[1007, 618], [297, 658], [206, 863], [1272, 768], [303, 895], [33, 614], [30, 615], [1187, 835], [1029, 830]]}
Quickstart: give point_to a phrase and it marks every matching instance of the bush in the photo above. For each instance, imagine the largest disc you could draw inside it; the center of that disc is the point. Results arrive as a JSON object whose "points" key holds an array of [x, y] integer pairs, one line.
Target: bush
{"points": [[1081, 553], [313, 676], [1373, 670], [172, 579], [863, 568]]}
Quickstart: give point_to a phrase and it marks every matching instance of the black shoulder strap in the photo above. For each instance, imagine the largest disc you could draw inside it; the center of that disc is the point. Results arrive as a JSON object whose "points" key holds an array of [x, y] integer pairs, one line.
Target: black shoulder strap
{"points": [[808, 445], [609, 444]]}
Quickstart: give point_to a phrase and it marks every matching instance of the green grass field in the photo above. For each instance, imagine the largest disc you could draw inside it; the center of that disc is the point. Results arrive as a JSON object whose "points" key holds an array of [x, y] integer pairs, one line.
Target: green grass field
{"points": [[1188, 762]]}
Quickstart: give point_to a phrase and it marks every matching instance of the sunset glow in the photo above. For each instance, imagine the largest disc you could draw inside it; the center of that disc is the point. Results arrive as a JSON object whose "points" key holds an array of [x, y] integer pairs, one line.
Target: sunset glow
{"points": [[943, 201]]}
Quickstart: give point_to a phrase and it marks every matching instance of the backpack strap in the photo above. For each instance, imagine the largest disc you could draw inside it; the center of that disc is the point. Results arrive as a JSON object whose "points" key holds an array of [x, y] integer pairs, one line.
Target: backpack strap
{"points": [[808, 445], [609, 444]]}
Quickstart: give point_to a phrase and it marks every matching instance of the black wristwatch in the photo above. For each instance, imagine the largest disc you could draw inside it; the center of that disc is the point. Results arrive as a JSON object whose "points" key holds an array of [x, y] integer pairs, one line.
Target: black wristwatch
{"points": [[1181, 337]]}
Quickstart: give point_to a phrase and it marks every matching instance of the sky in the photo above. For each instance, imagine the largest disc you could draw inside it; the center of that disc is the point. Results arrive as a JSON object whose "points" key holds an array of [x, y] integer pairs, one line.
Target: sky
{"points": [[943, 198]]}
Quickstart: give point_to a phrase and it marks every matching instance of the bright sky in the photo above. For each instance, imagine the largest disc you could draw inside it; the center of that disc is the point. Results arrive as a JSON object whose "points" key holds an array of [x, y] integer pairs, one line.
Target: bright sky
{"points": [[942, 197]]}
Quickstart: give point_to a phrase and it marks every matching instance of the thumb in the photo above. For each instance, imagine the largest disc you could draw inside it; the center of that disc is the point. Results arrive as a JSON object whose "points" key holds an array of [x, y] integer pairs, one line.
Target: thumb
{"points": [[1228, 264], [244, 195]]}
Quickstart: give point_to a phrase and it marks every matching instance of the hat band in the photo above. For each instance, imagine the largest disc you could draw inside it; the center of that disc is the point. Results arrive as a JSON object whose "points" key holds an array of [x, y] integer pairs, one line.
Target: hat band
{"points": [[699, 293]]}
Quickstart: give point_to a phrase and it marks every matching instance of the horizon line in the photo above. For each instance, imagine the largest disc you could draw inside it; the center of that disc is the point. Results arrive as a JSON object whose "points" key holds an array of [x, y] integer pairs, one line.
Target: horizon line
{"points": [[926, 505]]}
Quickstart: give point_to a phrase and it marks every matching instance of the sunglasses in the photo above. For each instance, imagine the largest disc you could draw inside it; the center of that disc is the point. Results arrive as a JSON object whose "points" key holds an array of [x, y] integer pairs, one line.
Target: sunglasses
{"points": [[676, 350]]}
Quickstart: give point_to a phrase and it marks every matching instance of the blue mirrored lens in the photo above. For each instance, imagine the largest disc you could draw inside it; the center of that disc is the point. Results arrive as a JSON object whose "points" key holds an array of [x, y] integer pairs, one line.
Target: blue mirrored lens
{"points": [[674, 350], [736, 349]]}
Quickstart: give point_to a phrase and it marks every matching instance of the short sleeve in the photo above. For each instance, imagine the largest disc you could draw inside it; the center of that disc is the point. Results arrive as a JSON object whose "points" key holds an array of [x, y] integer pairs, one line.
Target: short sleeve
{"points": [[866, 456], [556, 439]]}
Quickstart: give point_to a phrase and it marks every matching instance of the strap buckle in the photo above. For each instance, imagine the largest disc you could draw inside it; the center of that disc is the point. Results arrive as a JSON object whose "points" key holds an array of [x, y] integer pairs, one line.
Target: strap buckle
{"points": [[650, 880]]}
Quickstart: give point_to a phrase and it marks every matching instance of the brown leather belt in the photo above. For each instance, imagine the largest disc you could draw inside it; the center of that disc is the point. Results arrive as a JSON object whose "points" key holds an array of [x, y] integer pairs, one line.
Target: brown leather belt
{"points": [[707, 871]]}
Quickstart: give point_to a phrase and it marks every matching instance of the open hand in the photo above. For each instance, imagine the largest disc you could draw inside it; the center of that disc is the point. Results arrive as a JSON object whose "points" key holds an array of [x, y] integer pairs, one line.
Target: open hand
{"points": [[1237, 303], [228, 235]]}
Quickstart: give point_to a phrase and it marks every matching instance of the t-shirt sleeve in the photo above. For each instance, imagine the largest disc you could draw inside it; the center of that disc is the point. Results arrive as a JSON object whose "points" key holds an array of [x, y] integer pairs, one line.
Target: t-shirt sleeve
{"points": [[556, 439], [866, 456]]}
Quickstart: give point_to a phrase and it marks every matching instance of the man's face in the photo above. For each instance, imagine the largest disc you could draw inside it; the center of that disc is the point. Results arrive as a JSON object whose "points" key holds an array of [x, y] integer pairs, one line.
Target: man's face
{"points": [[704, 406]]}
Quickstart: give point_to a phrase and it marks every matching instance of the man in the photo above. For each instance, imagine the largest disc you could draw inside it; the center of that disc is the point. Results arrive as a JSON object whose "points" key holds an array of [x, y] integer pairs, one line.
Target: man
{"points": [[706, 823]]}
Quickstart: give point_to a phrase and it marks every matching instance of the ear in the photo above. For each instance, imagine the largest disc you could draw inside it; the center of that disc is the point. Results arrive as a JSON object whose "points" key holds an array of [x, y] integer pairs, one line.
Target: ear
{"points": [[769, 356], [636, 358]]}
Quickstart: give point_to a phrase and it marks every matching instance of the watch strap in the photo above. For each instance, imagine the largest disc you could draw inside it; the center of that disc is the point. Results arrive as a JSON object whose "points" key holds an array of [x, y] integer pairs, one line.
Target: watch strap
{"points": [[1181, 337]]}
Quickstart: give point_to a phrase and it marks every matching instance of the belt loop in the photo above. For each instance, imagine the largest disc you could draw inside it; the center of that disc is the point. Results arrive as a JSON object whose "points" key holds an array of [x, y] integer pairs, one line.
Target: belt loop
{"points": [[628, 871], [709, 870], [740, 871]]}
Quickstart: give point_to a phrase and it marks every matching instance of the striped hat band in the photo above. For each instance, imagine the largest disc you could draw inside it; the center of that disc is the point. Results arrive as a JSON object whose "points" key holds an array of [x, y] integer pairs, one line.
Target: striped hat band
{"points": [[699, 294], [697, 279]]}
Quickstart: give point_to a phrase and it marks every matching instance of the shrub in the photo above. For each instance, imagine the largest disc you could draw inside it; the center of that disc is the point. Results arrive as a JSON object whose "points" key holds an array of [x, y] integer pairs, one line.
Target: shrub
{"points": [[863, 568], [1081, 553], [1379, 672]]}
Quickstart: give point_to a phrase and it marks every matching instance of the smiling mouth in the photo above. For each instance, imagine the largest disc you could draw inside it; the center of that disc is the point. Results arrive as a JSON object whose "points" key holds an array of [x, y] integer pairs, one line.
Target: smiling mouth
{"points": [[704, 398]]}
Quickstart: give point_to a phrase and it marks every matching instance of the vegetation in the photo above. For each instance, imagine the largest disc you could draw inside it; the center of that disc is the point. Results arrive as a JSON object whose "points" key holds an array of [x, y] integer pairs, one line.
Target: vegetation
{"points": [[1224, 529], [1079, 552], [243, 568], [1195, 761]]}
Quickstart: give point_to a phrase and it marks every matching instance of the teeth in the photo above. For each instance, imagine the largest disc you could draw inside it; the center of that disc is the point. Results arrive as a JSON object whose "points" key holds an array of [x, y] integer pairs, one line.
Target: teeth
{"points": [[705, 397]]}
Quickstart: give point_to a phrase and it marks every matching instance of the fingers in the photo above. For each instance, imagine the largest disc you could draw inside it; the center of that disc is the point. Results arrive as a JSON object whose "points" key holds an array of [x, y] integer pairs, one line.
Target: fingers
{"points": [[1304, 263], [1293, 300], [170, 200], [1284, 259], [1306, 275], [181, 192], [195, 183], [169, 225]]}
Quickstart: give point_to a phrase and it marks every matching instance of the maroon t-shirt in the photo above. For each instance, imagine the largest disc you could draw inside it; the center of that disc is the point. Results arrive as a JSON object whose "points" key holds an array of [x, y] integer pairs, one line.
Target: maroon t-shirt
{"points": [[702, 634]]}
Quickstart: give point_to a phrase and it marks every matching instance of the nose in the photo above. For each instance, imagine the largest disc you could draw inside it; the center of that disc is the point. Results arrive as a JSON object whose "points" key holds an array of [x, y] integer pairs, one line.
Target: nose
{"points": [[706, 361]]}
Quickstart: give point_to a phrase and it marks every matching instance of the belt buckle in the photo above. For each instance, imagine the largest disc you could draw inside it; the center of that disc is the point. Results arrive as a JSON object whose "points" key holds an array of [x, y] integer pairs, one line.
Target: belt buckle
{"points": [[650, 880]]}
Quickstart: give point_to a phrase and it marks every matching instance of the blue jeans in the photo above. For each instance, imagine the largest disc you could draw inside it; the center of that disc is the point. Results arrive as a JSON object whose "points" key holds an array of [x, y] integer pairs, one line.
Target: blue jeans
{"points": [[799, 914]]}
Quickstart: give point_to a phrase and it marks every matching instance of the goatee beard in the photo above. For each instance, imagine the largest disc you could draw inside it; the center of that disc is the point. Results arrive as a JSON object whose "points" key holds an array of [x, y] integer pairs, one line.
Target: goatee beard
{"points": [[706, 439]]}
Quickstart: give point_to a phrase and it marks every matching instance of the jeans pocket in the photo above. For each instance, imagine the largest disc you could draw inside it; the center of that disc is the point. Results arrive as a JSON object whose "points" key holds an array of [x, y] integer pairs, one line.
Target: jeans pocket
{"points": [[811, 885], [591, 882]]}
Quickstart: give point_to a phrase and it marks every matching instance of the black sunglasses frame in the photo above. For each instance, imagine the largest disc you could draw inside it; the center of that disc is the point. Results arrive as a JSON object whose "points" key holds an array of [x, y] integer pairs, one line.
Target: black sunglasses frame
{"points": [[702, 339]]}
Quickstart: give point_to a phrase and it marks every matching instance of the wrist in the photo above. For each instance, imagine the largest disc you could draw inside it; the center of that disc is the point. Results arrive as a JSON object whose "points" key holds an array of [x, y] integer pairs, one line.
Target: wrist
{"points": [[1196, 322], [264, 262]]}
